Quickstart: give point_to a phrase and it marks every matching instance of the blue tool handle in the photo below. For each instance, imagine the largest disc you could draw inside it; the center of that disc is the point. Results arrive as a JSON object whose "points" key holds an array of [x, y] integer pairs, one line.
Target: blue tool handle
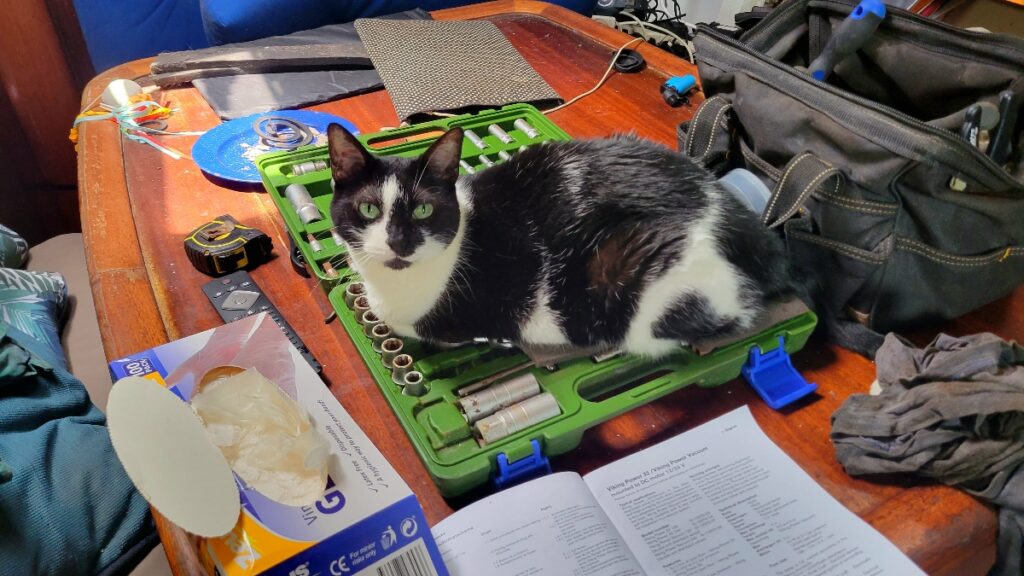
{"points": [[681, 84], [848, 37]]}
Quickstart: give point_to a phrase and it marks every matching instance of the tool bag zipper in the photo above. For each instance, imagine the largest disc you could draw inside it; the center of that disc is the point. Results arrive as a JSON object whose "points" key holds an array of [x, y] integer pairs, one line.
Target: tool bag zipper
{"points": [[957, 153]]}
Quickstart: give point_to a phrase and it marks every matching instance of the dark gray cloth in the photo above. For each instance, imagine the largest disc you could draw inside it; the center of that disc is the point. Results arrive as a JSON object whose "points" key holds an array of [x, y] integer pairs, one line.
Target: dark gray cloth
{"points": [[952, 412], [237, 96]]}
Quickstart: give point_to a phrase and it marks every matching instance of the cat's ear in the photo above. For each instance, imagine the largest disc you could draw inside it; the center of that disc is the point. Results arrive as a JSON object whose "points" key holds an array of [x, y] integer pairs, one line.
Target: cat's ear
{"points": [[349, 159], [441, 160]]}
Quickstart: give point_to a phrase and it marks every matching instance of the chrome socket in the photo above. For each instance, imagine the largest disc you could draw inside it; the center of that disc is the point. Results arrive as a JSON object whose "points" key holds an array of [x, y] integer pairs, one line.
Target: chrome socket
{"points": [[490, 400], [500, 134], [353, 291], [415, 384], [360, 306], [400, 366], [526, 128], [467, 167], [476, 140], [308, 167], [516, 417], [370, 319], [390, 348], [379, 334], [299, 196]]}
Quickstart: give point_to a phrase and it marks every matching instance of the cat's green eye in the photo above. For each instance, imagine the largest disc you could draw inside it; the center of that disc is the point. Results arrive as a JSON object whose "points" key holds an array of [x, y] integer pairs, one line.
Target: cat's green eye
{"points": [[369, 211], [423, 211]]}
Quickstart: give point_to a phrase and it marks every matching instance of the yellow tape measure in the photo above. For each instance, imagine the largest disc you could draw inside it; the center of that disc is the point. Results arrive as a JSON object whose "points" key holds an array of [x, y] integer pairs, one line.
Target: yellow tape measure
{"points": [[224, 245]]}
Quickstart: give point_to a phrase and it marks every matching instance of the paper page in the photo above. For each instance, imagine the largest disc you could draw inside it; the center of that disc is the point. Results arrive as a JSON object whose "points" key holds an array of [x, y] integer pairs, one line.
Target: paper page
{"points": [[724, 500], [548, 527]]}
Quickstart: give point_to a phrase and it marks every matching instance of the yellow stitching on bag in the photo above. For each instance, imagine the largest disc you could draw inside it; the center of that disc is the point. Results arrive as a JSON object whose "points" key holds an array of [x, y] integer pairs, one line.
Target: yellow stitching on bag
{"points": [[843, 249], [849, 204], [714, 125], [693, 124], [860, 204], [806, 192], [953, 259], [757, 161], [782, 182]]}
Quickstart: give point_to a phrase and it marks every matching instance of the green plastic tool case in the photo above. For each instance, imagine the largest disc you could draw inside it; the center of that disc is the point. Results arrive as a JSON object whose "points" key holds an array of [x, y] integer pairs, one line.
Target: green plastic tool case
{"points": [[588, 391]]}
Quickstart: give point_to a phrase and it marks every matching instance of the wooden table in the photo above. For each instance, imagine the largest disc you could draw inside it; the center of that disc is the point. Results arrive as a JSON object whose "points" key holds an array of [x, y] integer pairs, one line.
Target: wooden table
{"points": [[137, 205]]}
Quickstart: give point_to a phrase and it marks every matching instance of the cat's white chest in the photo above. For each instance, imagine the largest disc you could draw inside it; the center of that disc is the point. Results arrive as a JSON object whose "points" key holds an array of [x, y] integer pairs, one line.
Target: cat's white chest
{"points": [[403, 297]]}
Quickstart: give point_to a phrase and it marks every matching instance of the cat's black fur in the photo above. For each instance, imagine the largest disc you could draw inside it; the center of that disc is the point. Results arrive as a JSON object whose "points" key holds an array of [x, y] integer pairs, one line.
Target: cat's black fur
{"points": [[602, 218]]}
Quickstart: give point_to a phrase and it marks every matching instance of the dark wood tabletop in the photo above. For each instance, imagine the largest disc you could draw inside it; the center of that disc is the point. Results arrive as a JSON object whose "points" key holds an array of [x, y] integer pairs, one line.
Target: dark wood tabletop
{"points": [[137, 206]]}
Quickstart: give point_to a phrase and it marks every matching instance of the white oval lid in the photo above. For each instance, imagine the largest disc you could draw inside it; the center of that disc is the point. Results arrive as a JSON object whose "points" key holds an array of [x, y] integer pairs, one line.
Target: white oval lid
{"points": [[164, 449]]}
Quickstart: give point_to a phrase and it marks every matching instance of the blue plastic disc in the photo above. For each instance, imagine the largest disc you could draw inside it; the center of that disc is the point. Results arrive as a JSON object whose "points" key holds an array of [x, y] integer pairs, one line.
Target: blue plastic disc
{"points": [[226, 151]]}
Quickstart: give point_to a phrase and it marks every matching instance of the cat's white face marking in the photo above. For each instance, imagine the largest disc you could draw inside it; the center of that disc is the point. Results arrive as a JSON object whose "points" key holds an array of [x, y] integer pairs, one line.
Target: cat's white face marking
{"points": [[375, 236], [401, 297]]}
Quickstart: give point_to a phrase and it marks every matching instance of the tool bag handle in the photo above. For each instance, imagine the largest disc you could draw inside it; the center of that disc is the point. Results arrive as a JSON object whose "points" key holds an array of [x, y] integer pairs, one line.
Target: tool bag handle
{"points": [[801, 177], [706, 139]]}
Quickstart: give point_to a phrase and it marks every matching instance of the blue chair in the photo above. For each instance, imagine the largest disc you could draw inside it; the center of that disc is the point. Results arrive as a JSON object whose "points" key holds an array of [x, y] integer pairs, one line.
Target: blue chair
{"points": [[116, 31]]}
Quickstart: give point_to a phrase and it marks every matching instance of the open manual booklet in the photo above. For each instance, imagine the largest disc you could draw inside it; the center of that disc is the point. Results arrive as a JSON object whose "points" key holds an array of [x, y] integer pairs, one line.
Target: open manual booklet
{"points": [[721, 499]]}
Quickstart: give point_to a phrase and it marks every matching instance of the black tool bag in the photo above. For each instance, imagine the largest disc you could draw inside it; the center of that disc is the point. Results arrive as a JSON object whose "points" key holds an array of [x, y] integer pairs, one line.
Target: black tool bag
{"points": [[906, 223]]}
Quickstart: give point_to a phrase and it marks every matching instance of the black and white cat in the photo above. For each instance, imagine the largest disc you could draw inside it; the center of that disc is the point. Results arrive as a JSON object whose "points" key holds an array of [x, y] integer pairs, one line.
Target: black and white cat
{"points": [[618, 242]]}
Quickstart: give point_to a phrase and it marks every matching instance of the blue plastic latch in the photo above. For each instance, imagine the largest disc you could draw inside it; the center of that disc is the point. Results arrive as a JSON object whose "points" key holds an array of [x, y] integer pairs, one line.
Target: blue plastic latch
{"points": [[536, 464], [773, 377]]}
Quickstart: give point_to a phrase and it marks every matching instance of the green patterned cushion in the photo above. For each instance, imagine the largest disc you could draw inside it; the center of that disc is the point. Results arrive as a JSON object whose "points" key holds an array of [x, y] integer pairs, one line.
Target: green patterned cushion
{"points": [[13, 248], [33, 305]]}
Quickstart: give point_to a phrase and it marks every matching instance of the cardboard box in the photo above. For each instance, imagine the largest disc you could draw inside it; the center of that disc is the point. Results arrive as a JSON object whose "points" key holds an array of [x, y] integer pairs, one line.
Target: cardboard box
{"points": [[367, 522]]}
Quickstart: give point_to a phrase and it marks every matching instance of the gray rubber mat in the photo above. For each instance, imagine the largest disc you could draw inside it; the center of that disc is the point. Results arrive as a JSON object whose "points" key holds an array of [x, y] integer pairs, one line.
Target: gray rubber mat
{"points": [[434, 66]]}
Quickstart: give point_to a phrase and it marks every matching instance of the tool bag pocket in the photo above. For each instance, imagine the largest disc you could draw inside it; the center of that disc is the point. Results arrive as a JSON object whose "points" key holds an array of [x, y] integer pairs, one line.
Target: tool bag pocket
{"points": [[904, 222]]}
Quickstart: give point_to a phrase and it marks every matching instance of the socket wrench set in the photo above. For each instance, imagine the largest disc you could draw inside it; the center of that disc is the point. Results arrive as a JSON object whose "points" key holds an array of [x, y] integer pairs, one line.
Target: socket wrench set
{"points": [[485, 411]]}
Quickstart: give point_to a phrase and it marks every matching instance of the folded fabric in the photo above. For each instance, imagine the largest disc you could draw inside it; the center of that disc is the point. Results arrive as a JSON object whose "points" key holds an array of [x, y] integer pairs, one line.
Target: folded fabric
{"points": [[67, 506], [34, 304], [13, 248], [952, 412], [238, 96]]}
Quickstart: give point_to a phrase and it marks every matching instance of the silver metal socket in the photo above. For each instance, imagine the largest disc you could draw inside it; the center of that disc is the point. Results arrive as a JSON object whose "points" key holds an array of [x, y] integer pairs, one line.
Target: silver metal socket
{"points": [[360, 305], [500, 134], [526, 128], [314, 243], [299, 196], [467, 167], [476, 140], [308, 167], [400, 366], [498, 396], [336, 236], [379, 334], [415, 384], [486, 161], [389, 349], [516, 417], [370, 319], [504, 155], [353, 291]]}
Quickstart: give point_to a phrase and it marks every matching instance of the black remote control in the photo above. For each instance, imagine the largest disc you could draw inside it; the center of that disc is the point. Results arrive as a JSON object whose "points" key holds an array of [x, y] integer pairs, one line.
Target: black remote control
{"points": [[237, 296]]}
